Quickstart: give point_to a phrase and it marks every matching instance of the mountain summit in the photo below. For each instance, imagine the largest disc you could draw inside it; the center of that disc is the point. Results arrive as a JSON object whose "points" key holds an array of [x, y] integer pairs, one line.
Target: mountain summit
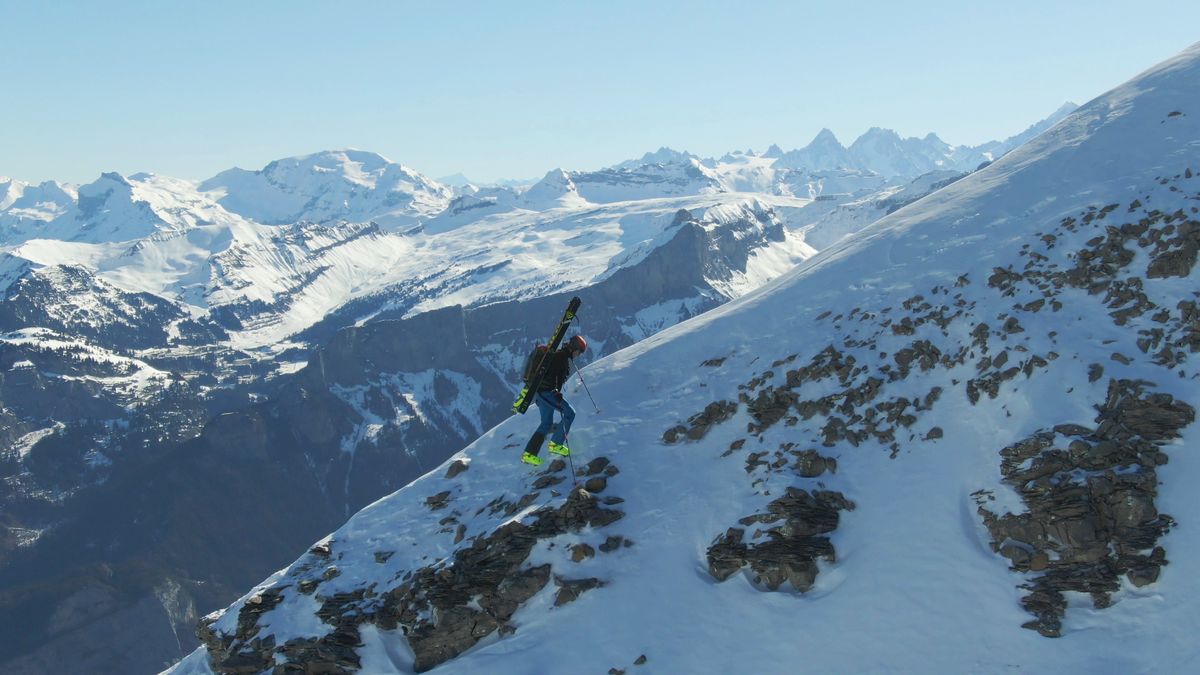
{"points": [[971, 419], [336, 185]]}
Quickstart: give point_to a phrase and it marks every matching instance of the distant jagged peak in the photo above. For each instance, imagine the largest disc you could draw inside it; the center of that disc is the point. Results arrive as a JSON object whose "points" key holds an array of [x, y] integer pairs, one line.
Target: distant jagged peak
{"points": [[555, 189], [876, 135], [773, 152], [824, 137], [664, 155], [1065, 109], [824, 152]]}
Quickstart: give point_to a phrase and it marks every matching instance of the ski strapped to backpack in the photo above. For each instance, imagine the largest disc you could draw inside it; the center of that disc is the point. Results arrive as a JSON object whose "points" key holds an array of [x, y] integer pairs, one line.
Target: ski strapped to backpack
{"points": [[534, 378]]}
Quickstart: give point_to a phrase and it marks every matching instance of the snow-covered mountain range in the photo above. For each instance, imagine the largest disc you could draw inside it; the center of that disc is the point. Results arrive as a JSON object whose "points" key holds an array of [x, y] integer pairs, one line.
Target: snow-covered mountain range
{"points": [[297, 341], [884, 152], [956, 440]]}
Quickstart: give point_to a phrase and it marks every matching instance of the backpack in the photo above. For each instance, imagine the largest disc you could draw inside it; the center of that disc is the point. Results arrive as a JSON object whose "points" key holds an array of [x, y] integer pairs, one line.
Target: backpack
{"points": [[535, 361]]}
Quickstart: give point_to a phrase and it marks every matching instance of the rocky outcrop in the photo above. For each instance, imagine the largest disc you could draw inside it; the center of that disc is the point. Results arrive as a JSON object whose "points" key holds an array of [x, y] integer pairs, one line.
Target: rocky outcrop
{"points": [[1089, 495], [797, 525], [699, 424], [442, 610]]}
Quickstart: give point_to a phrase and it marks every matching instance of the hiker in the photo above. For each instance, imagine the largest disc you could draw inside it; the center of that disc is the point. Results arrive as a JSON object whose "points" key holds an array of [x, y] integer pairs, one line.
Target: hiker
{"points": [[549, 399]]}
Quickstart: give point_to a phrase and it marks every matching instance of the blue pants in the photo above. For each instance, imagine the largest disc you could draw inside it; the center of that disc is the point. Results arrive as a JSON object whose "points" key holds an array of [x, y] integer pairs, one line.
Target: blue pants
{"points": [[548, 402]]}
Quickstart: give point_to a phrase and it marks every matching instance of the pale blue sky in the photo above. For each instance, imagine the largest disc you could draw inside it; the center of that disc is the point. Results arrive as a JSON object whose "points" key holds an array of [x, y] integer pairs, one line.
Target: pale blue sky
{"points": [[513, 89]]}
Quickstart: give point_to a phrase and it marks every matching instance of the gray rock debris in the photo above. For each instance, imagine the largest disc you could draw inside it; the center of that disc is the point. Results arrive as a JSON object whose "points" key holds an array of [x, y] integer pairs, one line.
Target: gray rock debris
{"points": [[1090, 515]]}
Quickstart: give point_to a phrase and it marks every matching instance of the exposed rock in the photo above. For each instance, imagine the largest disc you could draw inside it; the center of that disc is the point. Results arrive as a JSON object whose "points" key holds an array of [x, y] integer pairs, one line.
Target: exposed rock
{"points": [[1090, 508], [438, 501], [596, 466], [793, 546], [714, 413], [612, 543], [456, 467], [581, 552], [547, 481], [443, 609], [811, 464], [570, 589]]}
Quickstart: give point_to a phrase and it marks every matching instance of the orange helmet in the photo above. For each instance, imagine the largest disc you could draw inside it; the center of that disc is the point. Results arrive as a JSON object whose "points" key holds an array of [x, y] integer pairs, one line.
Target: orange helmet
{"points": [[577, 343]]}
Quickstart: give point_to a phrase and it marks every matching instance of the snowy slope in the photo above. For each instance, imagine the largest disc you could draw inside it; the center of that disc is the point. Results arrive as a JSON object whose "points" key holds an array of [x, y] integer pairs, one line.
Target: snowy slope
{"points": [[1049, 297], [328, 186]]}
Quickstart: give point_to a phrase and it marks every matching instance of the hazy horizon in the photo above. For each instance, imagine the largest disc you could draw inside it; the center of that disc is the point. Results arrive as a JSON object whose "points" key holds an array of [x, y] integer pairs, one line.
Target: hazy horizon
{"points": [[510, 92]]}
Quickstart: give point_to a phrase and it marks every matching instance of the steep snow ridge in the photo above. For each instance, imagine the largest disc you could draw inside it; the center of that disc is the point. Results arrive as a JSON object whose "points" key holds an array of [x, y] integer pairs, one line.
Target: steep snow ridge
{"points": [[781, 250], [912, 545], [286, 278], [555, 190], [339, 185]]}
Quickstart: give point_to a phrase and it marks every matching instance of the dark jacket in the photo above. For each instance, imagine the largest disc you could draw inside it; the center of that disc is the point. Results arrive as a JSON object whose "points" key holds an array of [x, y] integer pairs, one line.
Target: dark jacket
{"points": [[557, 372]]}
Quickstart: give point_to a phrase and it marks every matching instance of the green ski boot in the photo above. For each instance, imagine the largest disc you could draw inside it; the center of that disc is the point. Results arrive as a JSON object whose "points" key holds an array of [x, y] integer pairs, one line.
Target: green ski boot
{"points": [[531, 459], [560, 449]]}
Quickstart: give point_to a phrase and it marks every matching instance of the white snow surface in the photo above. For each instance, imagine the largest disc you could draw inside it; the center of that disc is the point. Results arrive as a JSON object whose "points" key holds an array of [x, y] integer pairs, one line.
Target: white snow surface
{"points": [[345, 184], [284, 246], [915, 587], [173, 239]]}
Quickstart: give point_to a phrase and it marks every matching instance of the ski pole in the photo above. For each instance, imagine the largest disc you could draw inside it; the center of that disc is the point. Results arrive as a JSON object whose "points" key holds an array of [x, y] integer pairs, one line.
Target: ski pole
{"points": [[574, 483], [585, 387]]}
